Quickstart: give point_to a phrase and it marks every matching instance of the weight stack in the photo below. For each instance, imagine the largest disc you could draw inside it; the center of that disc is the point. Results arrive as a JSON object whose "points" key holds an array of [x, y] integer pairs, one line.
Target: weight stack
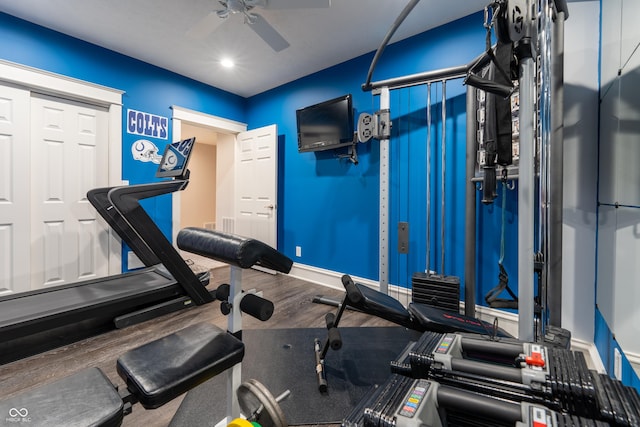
{"points": [[438, 291]]}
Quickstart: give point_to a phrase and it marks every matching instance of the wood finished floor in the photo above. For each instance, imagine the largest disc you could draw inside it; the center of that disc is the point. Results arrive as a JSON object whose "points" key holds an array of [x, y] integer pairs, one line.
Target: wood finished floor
{"points": [[294, 308]]}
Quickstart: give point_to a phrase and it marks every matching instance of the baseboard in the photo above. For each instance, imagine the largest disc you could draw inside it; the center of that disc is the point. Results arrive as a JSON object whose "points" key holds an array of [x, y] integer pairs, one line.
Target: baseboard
{"points": [[328, 278], [506, 320]]}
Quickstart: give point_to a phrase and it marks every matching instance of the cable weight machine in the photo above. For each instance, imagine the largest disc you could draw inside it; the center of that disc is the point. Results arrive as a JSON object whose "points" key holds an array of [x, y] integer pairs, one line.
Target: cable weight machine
{"points": [[535, 29]]}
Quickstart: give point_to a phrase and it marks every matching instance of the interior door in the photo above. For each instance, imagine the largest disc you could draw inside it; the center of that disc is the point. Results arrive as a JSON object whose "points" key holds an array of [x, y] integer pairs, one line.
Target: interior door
{"points": [[257, 184], [14, 190], [69, 152]]}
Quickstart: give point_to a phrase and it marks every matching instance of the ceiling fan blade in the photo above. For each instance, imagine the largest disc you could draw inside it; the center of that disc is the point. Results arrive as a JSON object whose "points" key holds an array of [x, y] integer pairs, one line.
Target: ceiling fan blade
{"points": [[267, 33], [205, 26], [297, 4]]}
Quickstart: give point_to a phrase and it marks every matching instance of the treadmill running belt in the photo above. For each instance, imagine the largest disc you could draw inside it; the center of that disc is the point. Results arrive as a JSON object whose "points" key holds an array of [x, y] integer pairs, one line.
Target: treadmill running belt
{"points": [[36, 321]]}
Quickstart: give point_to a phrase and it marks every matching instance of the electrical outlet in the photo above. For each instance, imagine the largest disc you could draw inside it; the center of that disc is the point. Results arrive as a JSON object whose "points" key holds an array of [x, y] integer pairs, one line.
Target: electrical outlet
{"points": [[617, 364], [298, 251]]}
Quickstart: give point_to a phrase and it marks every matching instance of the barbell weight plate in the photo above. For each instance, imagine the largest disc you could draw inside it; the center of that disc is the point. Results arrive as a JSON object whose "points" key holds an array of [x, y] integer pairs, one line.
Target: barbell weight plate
{"points": [[257, 402]]}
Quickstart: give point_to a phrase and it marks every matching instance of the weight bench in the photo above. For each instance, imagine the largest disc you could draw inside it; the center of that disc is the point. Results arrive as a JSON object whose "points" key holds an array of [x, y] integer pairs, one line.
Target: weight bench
{"points": [[157, 372], [154, 373], [240, 253], [419, 317]]}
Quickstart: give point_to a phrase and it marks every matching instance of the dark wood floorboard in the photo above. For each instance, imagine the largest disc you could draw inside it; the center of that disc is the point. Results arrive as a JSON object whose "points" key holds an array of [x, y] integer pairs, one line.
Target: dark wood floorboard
{"points": [[293, 309]]}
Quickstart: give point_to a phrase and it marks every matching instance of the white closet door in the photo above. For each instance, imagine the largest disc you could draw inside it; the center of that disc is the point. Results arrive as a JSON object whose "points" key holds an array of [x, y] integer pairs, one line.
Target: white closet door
{"points": [[69, 156], [14, 190]]}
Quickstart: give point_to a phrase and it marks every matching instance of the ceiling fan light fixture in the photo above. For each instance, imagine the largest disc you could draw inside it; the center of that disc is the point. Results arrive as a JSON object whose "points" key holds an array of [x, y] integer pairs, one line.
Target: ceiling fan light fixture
{"points": [[250, 18], [235, 6], [227, 63]]}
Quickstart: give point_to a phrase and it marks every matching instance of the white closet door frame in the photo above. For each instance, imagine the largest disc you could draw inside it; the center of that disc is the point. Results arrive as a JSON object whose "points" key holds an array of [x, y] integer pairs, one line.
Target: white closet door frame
{"points": [[65, 87]]}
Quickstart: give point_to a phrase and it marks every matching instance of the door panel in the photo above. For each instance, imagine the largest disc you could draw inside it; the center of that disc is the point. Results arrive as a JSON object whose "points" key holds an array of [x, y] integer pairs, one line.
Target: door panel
{"points": [[70, 149], [14, 193], [256, 184]]}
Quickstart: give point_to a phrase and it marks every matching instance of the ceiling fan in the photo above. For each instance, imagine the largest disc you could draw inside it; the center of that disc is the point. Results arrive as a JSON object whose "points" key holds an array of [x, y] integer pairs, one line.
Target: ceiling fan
{"points": [[256, 22]]}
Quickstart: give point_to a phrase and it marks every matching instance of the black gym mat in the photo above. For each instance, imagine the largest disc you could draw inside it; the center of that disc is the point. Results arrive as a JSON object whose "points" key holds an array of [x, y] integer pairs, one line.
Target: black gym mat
{"points": [[283, 359]]}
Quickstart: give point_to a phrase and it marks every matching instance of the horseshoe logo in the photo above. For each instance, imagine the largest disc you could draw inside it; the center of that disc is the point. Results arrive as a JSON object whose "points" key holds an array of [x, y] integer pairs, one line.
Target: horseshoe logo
{"points": [[139, 145], [172, 160], [15, 412]]}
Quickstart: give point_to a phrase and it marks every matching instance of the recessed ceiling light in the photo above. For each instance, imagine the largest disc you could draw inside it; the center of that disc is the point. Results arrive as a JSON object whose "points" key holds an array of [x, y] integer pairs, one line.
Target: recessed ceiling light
{"points": [[227, 63]]}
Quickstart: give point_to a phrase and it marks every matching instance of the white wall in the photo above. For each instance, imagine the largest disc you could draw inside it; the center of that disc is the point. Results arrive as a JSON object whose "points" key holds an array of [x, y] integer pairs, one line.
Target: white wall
{"points": [[580, 166], [618, 291]]}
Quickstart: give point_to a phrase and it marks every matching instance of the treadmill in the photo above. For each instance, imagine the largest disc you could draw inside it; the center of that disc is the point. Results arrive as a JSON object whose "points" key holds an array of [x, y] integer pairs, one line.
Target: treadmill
{"points": [[37, 321]]}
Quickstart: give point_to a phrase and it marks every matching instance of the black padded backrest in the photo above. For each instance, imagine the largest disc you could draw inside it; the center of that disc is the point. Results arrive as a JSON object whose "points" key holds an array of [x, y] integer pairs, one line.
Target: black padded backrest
{"points": [[232, 249], [375, 303], [383, 306]]}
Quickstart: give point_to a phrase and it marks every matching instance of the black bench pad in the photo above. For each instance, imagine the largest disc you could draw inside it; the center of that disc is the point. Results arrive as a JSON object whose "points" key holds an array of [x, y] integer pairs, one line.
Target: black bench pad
{"points": [[232, 249], [437, 320], [420, 317], [162, 370], [86, 398], [381, 305]]}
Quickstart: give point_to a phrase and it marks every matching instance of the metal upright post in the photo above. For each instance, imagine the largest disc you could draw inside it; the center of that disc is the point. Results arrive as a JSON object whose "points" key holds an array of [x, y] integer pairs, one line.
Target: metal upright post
{"points": [[384, 200], [234, 326], [526, 182], [443, 194], [544, 173], [470, 210], [428, 168], [554, 258]]}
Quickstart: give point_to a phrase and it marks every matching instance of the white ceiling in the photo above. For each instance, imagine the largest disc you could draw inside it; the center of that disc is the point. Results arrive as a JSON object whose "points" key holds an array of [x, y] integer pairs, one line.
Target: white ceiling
{"points": [[157, 32]]}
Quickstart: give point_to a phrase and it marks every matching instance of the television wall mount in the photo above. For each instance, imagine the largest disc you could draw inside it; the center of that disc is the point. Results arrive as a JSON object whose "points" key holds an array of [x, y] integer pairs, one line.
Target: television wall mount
{"points": [[352, 152]]}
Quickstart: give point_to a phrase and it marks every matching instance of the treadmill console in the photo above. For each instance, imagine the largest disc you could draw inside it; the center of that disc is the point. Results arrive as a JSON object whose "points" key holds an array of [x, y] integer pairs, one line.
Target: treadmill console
{"points": [[175, 159]]}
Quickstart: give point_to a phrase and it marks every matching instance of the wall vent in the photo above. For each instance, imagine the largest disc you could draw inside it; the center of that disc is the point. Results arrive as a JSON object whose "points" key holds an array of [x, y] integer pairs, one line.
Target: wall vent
{"points": [[228, 224], [210, 225]]}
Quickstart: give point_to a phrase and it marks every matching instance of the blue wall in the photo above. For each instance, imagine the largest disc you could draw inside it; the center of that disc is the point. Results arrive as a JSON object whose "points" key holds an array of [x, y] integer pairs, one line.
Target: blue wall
{"points": [[147, 88], [328, 205]]}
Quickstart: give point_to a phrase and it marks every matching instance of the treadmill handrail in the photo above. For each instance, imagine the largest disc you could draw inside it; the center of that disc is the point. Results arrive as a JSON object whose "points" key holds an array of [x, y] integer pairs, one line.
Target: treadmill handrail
{"points": [[98, 197], [127, 200]]}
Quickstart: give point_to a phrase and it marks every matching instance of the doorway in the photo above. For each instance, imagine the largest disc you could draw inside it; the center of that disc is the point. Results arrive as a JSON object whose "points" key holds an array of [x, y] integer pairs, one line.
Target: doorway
{"points": [[243, 186], [198, 200], [207, 202], [202, 188]]}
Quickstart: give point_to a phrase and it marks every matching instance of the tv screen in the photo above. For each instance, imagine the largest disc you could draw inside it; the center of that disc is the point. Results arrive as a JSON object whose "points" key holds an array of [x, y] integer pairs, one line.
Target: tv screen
{"points": [[326, 125], [175, 158]]}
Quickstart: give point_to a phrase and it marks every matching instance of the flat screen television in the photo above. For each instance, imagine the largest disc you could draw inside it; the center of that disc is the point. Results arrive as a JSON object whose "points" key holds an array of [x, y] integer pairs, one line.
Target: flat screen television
{"points": [[326, 125], [175, 159]]}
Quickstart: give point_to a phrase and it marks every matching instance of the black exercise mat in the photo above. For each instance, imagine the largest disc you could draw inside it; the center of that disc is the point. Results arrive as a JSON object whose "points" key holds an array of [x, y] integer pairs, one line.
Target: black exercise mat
{"points": [[283, 359]]}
